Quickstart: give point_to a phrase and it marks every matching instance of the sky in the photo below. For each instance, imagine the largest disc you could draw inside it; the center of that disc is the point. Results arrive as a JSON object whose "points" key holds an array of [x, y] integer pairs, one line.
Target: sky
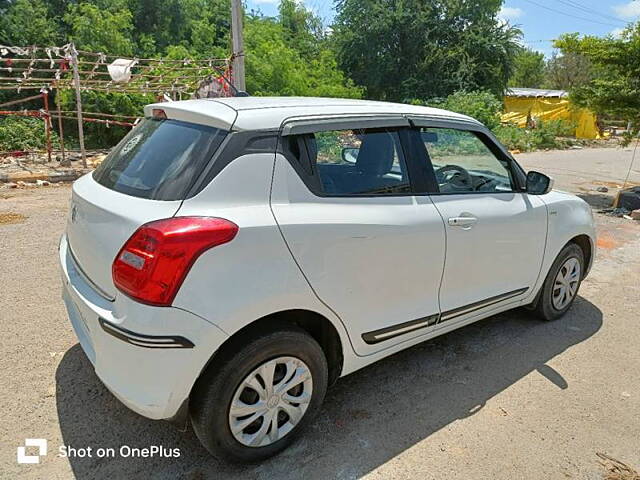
{"points": [[540, 20]]}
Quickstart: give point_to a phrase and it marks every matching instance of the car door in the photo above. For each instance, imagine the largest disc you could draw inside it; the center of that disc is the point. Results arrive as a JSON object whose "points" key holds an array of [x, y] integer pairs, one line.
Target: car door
{"points": [[343, 198], [495, 231]]}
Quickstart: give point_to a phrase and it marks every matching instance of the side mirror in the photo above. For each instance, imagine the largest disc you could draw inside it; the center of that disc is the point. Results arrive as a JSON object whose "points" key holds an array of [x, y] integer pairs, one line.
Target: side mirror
{"points": [[350, 154], [538, 183]]}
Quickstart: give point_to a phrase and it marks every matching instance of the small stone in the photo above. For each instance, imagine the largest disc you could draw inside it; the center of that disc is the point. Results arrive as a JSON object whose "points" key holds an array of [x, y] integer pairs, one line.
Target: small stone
{"points": [[42, 183], [51, 392], [635, 214], [626, 394], [602, 189], [11, 185]]}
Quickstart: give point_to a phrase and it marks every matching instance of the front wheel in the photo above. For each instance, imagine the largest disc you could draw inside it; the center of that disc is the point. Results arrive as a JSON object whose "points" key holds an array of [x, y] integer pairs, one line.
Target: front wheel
{"points": [[252, 405], [561, 286]]}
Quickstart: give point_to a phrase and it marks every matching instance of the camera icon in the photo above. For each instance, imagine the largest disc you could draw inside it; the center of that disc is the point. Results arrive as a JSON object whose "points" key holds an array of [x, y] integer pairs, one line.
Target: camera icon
{"points": [[41, 443]]}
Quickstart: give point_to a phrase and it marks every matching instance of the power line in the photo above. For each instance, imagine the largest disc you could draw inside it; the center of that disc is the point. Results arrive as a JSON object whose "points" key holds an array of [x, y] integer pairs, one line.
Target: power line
{"points": [[570, 15], [574, 4]]}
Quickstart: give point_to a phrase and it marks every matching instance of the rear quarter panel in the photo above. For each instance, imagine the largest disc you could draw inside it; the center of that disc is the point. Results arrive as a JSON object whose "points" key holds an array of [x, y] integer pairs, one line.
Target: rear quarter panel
{"points": [[255, 274]]}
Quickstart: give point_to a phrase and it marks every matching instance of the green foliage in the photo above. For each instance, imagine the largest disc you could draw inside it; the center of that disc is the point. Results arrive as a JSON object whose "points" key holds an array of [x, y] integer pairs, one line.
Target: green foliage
{"points": [[275, 68], [481, 105], [386, 50], [529, 69], [302, 29], [568, 71], [100, 30], [418, 49], [288, 55], [514, 138], [552, 134], [27, 22], [615, 90], [24, 133]]}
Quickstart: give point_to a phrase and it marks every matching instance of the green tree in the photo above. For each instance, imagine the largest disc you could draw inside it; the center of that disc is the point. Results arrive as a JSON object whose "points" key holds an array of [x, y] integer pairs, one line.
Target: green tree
{"points": [[401, 49], [162, 20], [27, 22], [200, 25], [568, 71], [275, 68], [287, 55], [615, 90], [100, 30], [529, 69], [303, 30]]}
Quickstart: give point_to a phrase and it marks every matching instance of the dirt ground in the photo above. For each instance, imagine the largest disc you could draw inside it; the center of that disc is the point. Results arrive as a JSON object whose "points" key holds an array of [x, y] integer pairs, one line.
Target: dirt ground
{"points": [[506, 398], [583, 171]]}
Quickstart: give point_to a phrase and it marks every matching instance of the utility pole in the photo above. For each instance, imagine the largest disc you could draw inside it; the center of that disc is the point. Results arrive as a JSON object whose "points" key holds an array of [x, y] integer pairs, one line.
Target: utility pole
{"points": [[237, 43], [76, 84]]}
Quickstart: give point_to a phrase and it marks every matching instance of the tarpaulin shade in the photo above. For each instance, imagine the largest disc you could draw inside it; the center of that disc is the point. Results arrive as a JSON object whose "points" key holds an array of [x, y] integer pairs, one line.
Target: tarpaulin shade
{"points": [[520, 108]]}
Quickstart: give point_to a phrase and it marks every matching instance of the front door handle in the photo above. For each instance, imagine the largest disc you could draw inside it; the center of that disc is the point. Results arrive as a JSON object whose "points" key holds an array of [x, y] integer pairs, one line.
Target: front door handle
{"points": [[462, 221]]}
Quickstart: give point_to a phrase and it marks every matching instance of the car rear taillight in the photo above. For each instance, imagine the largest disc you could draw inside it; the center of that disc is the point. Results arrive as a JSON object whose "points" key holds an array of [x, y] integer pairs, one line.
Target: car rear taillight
{"points": [[154, 262]]}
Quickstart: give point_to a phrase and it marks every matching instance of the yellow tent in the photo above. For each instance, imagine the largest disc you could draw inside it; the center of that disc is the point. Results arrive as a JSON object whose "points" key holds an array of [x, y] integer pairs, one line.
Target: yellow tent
{"points": [[523, 104]]}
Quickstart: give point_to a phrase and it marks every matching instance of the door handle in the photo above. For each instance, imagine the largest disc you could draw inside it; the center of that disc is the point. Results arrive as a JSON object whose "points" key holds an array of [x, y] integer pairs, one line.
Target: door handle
{"points": [[462, 221]]}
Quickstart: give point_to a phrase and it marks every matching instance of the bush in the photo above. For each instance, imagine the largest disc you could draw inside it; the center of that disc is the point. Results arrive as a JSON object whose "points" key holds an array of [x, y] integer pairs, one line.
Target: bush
{"points": [[547, 135], [24, 133], [481, 105], [514, 138]]}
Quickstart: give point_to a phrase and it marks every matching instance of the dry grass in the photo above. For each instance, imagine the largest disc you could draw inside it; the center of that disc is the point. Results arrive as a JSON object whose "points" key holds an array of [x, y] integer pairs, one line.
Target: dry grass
{"points": [[7, 218], [616, 470]]}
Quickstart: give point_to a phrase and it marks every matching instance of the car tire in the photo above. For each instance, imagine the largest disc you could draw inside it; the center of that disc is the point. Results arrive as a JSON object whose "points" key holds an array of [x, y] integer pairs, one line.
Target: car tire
{"points": [[227, 380], [551, 304]]}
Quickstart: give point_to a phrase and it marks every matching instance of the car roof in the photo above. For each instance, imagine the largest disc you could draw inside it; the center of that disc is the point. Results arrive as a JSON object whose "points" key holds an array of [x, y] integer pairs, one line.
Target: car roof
{"points": [[268, 113]]}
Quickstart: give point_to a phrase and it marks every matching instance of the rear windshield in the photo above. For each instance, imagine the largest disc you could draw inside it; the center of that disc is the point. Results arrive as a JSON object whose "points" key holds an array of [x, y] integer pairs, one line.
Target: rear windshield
{"points": [[159, 159]]}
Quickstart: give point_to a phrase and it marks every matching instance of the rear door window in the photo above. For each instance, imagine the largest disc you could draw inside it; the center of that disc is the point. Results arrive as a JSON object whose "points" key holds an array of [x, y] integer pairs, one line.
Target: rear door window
{"points": [[358, 162], [159, 159]]}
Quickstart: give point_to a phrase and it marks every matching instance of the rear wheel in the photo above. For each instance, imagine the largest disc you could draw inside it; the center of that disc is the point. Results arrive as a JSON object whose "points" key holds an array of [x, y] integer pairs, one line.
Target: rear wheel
{"points": [[561, 286], [255, 402]]}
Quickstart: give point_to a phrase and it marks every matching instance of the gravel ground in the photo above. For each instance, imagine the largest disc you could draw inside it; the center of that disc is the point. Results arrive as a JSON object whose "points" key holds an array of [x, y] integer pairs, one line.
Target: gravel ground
{"points": [[508, 397]]}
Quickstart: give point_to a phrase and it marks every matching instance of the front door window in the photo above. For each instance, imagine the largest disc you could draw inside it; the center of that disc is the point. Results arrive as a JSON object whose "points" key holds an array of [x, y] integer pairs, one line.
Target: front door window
{"points": [[463, 163]]}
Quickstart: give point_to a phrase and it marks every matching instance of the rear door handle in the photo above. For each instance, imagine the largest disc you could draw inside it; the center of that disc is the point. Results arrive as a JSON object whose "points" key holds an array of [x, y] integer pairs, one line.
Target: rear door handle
{"points": [[462, 221]]}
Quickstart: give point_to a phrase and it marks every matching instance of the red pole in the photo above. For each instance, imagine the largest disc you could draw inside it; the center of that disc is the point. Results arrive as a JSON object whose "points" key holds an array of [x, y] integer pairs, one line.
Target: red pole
{"points": [[47, 122]]}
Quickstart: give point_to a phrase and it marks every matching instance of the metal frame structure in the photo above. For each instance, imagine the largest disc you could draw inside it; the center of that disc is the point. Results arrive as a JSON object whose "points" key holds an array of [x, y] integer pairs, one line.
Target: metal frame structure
{"points": [[47, 68]]}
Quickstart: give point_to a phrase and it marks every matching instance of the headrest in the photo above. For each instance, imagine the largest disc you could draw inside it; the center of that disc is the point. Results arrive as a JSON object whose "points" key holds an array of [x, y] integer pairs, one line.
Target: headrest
{"points": [[376, 154]]}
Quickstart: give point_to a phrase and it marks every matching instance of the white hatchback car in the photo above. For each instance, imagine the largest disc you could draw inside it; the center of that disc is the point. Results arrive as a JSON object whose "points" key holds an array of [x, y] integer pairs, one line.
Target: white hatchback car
{"points": [[231, 258]]}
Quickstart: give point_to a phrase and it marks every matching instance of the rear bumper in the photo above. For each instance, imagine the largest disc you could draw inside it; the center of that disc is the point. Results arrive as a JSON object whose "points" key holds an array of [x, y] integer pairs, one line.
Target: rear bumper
{"points": [[148, 357]]}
